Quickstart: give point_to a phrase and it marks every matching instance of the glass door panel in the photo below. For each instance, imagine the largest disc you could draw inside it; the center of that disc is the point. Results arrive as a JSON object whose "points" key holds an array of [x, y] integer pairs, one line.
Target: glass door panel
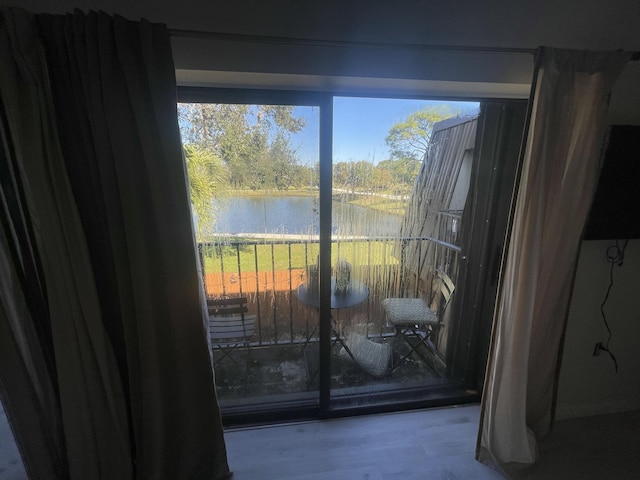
{"points": [[253, 174], [400, 181]]}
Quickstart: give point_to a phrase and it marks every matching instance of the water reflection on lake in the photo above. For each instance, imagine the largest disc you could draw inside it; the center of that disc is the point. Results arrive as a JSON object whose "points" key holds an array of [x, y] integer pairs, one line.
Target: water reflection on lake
{"points": [[298, 215]]}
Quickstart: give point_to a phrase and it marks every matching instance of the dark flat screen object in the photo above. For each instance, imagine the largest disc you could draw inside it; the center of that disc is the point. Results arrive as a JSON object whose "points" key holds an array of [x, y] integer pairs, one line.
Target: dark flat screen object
{"points": [[615, 212]]}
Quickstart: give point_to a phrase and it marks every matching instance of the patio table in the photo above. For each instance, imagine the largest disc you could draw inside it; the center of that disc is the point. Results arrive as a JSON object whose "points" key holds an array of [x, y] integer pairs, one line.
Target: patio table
{"points": [[355, 295]]}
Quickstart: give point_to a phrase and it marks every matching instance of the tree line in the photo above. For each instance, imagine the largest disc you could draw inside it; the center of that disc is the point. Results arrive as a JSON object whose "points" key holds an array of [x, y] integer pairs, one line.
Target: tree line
{"points": [[249, 147]]}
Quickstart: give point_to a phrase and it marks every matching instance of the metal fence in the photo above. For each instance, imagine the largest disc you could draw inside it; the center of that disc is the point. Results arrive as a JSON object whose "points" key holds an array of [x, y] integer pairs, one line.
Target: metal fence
{"points": [[269, 272]]}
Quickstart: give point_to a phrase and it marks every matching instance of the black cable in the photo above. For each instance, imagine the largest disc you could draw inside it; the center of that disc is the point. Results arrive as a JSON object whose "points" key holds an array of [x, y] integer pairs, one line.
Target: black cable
{"points": [[615, 256]]}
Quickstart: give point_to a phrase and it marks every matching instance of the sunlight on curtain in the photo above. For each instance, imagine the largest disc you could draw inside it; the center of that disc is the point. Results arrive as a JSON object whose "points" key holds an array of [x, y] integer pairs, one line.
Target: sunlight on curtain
{"points": [[559, 175]]}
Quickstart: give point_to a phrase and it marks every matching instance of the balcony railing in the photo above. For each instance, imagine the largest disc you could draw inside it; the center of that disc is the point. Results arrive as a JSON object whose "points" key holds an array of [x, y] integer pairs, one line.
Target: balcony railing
{"points": [[268, 272]]}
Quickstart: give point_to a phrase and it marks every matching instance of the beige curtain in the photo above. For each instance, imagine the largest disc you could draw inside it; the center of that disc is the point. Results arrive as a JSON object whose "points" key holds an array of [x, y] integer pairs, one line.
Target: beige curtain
{"points": [[559, 174], [105, 369]]}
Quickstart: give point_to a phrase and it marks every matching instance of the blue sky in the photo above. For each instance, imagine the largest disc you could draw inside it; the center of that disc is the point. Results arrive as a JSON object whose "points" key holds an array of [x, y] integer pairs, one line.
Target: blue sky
{"points": [[360, 126]]}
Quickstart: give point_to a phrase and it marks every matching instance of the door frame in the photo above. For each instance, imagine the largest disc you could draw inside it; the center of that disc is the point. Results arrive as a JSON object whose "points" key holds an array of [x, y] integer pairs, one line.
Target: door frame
{"points": [[475, 304]]}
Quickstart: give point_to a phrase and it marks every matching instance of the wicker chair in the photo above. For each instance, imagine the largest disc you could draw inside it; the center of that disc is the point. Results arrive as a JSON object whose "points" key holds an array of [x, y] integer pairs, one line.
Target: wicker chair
{"points": [[414, 319], [374, 358]]}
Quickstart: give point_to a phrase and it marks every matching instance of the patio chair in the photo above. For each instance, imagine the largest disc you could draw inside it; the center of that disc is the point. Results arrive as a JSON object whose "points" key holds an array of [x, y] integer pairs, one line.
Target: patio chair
{"points": [[229, 325], [417, 321], [374, 358]]}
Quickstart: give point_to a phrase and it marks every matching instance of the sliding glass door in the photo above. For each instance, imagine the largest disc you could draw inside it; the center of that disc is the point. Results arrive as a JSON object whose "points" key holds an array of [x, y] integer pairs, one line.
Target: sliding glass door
{"points": [[329, 220], [401, 177]]}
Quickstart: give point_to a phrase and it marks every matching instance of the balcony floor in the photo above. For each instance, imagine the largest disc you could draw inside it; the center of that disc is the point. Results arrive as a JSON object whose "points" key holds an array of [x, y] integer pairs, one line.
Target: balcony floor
{"points": [[268, 374]]}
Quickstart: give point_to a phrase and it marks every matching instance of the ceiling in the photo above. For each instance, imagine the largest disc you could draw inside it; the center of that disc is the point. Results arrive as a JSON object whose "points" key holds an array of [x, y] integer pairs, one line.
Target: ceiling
{"points": [[402, 25], [594, 24]]}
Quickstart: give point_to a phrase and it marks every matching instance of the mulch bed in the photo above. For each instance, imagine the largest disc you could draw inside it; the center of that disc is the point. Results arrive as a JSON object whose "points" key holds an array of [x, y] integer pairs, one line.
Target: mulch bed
{"points": [[231, 283]]}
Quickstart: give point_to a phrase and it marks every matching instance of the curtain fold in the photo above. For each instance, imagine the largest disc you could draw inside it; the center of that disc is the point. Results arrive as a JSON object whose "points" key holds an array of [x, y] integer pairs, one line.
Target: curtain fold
{"points": [[91, 109], [559, 175]]}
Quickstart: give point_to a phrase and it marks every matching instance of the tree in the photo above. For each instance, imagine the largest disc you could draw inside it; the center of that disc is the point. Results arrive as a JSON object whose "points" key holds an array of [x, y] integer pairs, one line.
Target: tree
{"points": [[382, 178], [403, 171], [353, 174], [409, 140], [207, 178], [362, 174], [341, 172], [282, 163], [245, 137]]}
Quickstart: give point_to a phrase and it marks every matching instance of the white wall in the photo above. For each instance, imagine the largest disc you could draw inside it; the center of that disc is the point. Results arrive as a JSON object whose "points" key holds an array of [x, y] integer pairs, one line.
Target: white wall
{"points": [[492, 23], [461, 190], [588, 384]]}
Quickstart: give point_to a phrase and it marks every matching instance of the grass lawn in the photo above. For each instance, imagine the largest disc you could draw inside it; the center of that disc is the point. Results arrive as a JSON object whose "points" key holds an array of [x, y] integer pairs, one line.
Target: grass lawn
{"points": [[387, 205], [297, 255]]}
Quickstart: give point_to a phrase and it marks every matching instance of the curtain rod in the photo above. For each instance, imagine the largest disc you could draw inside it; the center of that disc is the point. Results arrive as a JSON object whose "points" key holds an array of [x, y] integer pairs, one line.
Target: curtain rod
{"points": [[314, 42]]}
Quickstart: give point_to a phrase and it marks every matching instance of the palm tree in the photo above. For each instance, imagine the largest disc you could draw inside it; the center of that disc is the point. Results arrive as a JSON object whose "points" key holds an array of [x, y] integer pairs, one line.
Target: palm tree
{"points": [[207, 176]]}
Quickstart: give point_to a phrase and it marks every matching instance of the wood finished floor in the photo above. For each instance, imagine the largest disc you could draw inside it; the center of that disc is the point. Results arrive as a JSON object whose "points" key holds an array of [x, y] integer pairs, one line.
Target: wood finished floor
{"points": [[430, 444], [435, 444]]}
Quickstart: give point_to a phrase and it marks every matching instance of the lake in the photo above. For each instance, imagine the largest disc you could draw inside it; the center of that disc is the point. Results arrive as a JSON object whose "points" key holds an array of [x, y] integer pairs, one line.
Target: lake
{"points": [[298, 215]]}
